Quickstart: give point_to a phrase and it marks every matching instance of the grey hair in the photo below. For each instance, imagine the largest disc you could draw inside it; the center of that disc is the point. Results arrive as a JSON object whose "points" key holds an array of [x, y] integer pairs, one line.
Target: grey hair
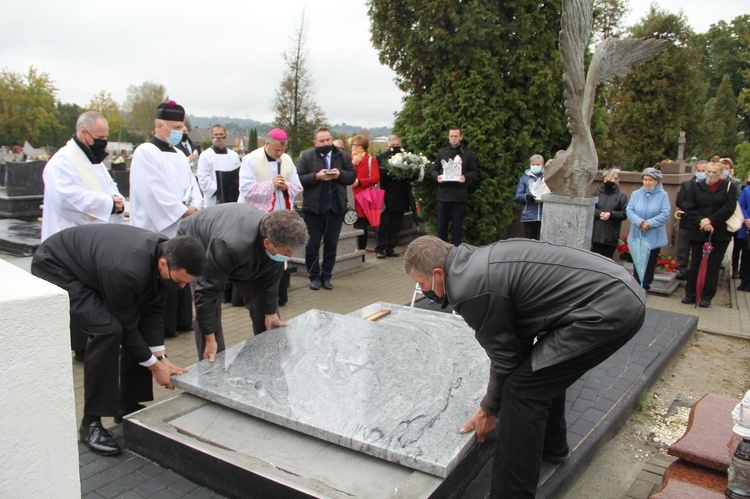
{"points": [[271, 140], [536, 157], [284, 228], [612, 172], [88, 120], [424, 254], [158, 121], [320, 129]]}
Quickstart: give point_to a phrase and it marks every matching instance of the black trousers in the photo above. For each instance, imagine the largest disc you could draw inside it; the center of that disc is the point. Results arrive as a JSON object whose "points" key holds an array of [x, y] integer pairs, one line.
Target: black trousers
{"points": [[250, 293], [111, 379], [738, 248], [390, 227], [532, 230], [532, 417], [325, 227], [682, 257], [603, 249], [714, 266], [178, 310], [648, 274], [453, 211]]}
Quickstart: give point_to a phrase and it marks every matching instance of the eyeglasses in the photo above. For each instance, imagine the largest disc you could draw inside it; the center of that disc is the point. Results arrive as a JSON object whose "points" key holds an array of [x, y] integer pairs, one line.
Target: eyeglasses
{"points": [[356, 145], [218, 136], [712, 174]]}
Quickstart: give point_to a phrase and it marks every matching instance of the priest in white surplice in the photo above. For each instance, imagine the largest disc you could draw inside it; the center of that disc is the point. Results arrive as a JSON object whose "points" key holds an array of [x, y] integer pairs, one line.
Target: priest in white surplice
{"points": [[268, 177], [163, 191], [217, 158], [78, 189]]}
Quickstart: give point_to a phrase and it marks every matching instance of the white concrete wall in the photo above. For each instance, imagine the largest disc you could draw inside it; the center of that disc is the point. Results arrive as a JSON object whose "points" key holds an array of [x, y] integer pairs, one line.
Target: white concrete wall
{"points": [[38, 434]]}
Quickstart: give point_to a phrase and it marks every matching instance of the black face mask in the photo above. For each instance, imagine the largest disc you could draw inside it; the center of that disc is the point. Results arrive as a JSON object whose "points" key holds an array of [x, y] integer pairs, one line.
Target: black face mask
{"points": [[184, 137], [99, 148], [396, 149], [170, 285], [610, 186], [324, 149]]}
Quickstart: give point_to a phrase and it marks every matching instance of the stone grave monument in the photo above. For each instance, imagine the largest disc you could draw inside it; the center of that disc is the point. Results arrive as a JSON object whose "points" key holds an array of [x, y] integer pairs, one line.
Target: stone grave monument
{"points": [[329, 403], [568, 213]]}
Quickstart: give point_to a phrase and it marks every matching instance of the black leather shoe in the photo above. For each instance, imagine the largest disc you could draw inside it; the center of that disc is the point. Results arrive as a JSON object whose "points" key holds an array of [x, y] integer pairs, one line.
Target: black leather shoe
{"points": [[704, 303], [742, 286], [327, 284], [391, 253], [379, 255], [687, 299], [315, 284], [170, 334], [98, 439], [735, 275]]}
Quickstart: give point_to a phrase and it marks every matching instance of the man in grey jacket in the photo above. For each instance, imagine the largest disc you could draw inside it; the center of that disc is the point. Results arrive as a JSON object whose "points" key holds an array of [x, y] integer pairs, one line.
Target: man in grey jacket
{"points": [[579, 307], [247, 246]]}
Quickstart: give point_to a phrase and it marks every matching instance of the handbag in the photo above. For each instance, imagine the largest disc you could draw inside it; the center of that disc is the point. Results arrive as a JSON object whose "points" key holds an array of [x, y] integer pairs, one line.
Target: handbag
{"points": [[738, 218]]}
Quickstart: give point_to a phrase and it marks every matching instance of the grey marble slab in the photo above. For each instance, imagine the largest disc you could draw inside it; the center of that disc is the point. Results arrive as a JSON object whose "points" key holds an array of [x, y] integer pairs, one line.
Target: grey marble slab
{"points": [[398, 389]]}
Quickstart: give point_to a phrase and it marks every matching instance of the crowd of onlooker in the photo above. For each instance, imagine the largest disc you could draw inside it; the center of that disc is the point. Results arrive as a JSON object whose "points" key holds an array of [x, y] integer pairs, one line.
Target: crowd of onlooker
{"points": [[703, 206]]}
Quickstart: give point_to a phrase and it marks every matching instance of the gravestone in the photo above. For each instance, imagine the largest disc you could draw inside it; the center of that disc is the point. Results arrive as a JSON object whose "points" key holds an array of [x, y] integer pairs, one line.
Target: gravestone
{"points": [[394, 392], [23, 192]]}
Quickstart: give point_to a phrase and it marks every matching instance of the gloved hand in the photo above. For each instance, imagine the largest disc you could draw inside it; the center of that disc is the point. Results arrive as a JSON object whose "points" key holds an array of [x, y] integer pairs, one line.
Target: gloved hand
{"points": [[530, 198]]}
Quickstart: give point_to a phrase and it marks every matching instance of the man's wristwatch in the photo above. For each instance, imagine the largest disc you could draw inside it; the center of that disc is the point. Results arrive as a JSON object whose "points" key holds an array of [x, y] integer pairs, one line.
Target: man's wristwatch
{"points": [[161, 357]]}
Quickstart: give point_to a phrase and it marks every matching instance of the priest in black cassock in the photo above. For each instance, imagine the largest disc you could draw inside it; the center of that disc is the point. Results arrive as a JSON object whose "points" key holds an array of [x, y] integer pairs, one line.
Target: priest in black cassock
{"points": [[116, 277]]}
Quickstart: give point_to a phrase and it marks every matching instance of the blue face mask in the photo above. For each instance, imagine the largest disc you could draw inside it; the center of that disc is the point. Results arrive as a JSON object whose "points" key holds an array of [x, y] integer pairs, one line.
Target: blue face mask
{"points": [[175, 137], [725, 174], [536, 170], [700, 175], [278, 257]]}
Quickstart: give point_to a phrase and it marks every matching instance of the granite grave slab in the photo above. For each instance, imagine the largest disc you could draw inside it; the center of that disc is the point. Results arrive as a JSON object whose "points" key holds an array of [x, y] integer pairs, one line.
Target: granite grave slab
{"points": [[397, 389]]}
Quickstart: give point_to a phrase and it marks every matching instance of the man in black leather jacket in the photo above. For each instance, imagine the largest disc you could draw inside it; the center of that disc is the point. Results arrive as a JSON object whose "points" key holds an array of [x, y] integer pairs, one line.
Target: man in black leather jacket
{"points": [[580, 308]]}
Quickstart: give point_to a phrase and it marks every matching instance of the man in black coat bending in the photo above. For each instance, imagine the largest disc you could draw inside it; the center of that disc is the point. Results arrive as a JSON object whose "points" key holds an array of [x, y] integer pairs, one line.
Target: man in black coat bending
{"points": [[580, 308], [116, 277]]}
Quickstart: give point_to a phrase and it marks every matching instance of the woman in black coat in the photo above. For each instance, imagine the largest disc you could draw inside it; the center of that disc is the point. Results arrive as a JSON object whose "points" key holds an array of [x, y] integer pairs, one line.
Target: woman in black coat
{"points": [[710, 203], [609, 214]]}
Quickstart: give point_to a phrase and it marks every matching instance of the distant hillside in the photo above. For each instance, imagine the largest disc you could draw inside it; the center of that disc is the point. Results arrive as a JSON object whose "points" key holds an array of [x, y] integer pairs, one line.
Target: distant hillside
{"points": [[243, 125]]}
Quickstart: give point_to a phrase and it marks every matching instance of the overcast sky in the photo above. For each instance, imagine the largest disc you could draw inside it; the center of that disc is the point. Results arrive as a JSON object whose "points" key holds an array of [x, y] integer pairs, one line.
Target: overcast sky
{"points": [[224, 58]]}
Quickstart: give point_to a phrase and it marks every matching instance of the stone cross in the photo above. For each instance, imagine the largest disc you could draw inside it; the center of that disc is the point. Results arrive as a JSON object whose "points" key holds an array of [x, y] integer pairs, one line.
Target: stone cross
{"points": [[681, 146]]}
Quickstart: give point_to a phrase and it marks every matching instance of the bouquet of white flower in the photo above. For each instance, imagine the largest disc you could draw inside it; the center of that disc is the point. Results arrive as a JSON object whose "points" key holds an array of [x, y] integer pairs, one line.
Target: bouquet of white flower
{"points": [[406, 166]]}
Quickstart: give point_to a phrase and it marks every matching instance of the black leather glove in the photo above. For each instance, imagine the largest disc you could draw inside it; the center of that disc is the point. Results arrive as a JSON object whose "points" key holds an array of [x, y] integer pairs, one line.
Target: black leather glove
{"points": [[530, 198]]}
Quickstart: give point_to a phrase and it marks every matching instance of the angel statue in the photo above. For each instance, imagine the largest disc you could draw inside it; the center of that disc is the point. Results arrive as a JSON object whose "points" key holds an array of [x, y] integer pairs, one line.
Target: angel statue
{"points": [[572, 171]]}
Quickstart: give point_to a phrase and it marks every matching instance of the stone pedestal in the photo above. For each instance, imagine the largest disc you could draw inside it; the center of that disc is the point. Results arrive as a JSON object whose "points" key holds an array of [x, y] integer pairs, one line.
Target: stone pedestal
{"points": [[23, 191], [39, 455], [347, 255], [568, 220]]}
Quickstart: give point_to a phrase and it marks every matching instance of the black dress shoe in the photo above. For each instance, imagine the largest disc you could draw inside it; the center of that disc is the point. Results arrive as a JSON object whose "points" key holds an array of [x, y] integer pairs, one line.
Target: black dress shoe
{"points": [[379, 255], [742, 286], [327, 284], [98, 439], [687, 299], [170, 334], [735, 275], [315, 284], [391, 253], [704, 303], [79, 355]]}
